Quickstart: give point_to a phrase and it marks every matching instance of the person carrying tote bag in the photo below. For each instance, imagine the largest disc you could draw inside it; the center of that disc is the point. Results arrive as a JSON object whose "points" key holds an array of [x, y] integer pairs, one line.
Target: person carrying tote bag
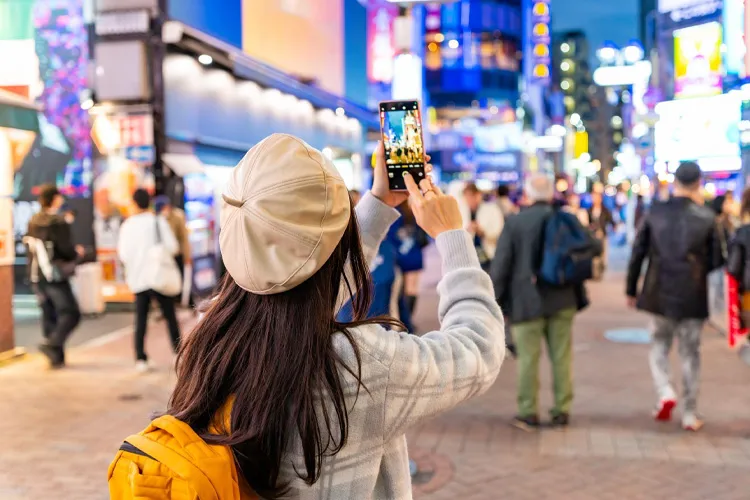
{"points": [[146, 247]]}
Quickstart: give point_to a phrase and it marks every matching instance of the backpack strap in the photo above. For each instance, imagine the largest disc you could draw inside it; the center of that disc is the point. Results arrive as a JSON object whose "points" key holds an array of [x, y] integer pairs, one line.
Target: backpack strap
{"points": [[178, 463]]}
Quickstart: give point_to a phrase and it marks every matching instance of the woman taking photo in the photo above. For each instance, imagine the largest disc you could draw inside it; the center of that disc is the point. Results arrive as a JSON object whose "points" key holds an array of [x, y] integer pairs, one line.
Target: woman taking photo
{"points": [[319, 408]]}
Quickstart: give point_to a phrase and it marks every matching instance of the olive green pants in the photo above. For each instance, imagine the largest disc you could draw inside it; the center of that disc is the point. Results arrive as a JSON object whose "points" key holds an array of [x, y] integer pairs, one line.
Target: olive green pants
{"points": [[556, 331]]}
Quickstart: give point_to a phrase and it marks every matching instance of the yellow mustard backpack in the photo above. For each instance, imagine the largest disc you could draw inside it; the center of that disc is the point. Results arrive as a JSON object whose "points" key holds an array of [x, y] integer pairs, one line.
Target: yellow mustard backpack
{"points": [[169, 461]]}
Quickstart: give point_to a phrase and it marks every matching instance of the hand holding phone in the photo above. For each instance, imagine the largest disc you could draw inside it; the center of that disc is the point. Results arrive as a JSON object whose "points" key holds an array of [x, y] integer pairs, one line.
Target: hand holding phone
{"points": [[403, 140], [380, 183]]}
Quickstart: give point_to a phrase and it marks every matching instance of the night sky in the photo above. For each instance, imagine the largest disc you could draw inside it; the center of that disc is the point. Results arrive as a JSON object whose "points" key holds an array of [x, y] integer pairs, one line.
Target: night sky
{"points": [[602, 20]]}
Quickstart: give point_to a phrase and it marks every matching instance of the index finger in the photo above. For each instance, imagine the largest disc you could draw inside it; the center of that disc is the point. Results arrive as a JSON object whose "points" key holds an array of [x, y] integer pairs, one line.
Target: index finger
{"points": [[412, 187]]}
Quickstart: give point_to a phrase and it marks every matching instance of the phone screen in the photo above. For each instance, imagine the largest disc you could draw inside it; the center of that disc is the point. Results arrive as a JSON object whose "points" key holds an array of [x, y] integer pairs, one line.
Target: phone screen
{"points": [[401, 125]]}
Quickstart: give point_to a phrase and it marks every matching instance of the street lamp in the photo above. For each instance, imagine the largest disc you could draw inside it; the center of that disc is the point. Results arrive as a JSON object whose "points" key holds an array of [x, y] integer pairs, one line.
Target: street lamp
{"points": [[633, 52]]}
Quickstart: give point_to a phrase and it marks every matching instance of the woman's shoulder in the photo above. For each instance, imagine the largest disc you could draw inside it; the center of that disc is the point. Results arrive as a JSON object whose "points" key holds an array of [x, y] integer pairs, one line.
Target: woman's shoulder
{"points": [[376, 344]]}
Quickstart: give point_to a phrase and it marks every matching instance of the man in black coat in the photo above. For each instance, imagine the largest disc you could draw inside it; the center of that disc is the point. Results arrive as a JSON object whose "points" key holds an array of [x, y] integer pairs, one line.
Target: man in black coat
{"points": [[536, 311], [679, 237]]}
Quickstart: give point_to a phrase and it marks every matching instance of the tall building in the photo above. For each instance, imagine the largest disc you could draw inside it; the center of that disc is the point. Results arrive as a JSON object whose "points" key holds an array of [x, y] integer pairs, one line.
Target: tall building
{"points": [[571, 72]]}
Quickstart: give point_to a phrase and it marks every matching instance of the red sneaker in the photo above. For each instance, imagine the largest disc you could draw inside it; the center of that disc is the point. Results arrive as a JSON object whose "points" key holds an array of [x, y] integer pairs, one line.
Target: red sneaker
{"points": [[664, 412]]}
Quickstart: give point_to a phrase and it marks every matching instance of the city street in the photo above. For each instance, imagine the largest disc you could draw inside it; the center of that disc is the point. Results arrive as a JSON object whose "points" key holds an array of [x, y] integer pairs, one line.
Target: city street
{"points": [[59, 430]]}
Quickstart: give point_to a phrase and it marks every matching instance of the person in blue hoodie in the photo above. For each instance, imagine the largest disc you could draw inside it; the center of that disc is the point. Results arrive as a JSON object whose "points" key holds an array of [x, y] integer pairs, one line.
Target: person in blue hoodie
{"points": [[383, 270]]}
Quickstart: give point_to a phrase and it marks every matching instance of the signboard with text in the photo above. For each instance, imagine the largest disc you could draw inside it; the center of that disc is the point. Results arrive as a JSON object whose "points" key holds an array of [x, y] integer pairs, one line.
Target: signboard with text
{"points": [[381, 47]]}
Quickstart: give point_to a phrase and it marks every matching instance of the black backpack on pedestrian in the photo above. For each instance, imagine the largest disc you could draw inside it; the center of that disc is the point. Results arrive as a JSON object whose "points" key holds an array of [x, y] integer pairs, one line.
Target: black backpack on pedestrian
{"points": [[568, 251]]}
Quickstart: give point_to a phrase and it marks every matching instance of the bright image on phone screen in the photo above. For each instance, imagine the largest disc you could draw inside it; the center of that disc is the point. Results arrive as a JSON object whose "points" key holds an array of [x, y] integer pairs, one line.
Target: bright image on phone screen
{"points": [[401, 123]]}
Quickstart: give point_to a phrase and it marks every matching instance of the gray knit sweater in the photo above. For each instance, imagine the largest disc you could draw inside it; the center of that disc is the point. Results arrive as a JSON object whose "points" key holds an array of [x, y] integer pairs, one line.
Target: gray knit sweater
{"points": [[408, 378]]}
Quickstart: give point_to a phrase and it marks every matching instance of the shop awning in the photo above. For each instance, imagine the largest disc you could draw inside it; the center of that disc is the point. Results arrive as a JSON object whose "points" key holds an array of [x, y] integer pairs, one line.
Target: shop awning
{"points": [[17, 113], [183, 164]]}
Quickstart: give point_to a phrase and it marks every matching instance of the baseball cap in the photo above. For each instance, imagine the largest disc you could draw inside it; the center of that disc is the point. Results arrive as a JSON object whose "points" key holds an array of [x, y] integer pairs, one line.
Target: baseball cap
{"points": [[283, 213], [688, 173]]}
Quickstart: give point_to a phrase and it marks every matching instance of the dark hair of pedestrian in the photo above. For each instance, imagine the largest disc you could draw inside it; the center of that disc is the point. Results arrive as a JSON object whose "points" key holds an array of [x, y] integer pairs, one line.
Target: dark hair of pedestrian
{"points": [[471, 188], [273, 356], [717, 204], [745, 204], [142, 199], [47, 195], [503, 191]]}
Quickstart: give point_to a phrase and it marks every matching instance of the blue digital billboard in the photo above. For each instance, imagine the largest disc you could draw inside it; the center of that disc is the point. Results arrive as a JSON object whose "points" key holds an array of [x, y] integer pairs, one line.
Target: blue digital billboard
{"points": [[221, 19]]}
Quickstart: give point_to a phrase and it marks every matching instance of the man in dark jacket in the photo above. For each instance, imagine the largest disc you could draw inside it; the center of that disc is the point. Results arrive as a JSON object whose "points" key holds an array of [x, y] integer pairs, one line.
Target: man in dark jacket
{"points": [[52, 261], [536, 311], [680, 240]]}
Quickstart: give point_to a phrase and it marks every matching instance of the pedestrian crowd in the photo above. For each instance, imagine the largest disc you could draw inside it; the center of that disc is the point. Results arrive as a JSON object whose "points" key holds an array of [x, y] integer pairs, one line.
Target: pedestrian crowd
{"points": [[303, 373]]}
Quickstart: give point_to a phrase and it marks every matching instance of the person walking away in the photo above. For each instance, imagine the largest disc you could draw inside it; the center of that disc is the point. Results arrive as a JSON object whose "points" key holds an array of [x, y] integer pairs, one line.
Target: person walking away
{"points": [[722, 206], [538, 311], [300, 405], [504, 201], [601, 223], [175, 217], [484, 221], [52, 263], [138, 235], [680, 239], [738, 265]]}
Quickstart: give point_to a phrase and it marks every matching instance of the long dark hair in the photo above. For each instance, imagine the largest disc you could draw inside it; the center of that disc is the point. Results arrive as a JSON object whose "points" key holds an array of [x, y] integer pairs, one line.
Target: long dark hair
{"points": [[273, 355]]}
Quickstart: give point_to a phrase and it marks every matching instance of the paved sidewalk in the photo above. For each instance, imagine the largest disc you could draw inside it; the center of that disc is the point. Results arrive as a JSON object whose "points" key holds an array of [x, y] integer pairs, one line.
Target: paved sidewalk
{"points": [[59, 430], [613, 449]]}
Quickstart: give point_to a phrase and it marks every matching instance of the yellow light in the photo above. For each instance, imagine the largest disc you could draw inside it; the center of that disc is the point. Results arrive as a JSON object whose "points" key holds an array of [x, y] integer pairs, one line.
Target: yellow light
{"points": [[432, 47], [439, 38]]}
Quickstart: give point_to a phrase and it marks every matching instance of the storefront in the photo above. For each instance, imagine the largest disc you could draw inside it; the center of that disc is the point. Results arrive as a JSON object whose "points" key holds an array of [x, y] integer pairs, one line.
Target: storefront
{"points": [[19, 127], [217, 104]]}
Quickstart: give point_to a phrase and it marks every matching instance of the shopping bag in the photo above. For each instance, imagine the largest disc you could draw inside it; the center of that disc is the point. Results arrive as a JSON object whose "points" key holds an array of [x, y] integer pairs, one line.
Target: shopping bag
{"points": [[736, 330]]}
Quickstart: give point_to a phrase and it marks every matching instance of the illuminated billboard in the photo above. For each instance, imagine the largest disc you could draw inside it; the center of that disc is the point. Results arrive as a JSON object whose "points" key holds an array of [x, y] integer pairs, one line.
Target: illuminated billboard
{"points": [[704, 130], [381, 46], [300, 37], [697, 61], [736, 20]]}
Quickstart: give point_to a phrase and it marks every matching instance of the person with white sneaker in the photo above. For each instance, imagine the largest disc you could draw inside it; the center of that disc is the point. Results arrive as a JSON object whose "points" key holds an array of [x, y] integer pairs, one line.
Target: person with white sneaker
{"points": [[680, 240]]}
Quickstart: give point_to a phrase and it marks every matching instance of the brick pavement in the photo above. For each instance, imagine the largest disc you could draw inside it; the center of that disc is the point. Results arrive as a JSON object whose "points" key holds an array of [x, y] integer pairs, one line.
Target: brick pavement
{"points": [[59, 430]]}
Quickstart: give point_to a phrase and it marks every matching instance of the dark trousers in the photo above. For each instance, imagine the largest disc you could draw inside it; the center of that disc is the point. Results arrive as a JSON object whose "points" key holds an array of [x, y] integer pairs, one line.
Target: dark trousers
{"points": [[142, 306], [60, 315]]}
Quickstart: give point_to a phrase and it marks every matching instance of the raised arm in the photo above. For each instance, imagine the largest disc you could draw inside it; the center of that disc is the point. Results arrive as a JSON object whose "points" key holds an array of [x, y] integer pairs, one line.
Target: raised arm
{"points": [[430, 374], [433, 373]]}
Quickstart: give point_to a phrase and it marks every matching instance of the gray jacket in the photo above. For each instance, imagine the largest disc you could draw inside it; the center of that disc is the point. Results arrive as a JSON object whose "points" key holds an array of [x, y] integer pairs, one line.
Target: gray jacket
{"points": [[515, 265]]}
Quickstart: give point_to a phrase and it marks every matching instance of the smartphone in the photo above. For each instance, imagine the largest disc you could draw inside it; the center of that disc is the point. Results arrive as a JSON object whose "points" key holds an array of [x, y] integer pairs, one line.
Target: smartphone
{"points": [[401, 128]]}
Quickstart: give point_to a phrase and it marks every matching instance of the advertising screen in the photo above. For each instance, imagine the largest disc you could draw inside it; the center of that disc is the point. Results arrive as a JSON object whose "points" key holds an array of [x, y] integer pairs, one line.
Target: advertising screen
{"points": [[736, 18], [697, 61], [706, 128], [219, 18], [381, 47], [300, 37]]}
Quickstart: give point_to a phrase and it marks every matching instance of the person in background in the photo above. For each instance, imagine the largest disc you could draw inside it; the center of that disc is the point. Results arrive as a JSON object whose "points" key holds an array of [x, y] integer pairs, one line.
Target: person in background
{"points": [[723, 207], [68, 213], [410, 241], [484, 221], [738, 263], [504, 201], [679, 238], [175, 217], [537, 311], [574, 207], [52, 263], [138, 234]]}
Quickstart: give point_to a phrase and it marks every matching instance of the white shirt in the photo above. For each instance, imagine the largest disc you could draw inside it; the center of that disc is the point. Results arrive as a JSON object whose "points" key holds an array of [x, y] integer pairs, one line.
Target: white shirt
{"points": [[137, 236], [490, 219]]}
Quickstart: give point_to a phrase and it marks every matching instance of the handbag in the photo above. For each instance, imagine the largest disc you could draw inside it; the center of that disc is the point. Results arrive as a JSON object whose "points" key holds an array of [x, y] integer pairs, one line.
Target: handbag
{"points": [[163, 274]]}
